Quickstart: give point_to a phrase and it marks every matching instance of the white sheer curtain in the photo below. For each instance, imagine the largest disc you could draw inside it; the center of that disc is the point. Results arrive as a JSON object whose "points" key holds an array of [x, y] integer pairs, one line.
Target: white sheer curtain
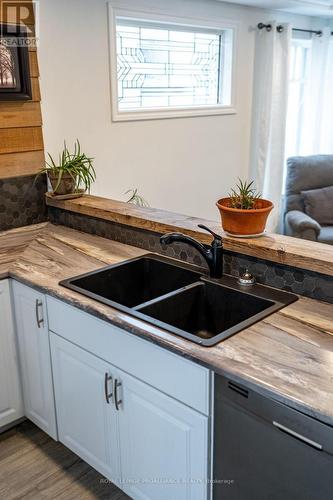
{"points": [[316, 129], [269, 116]]}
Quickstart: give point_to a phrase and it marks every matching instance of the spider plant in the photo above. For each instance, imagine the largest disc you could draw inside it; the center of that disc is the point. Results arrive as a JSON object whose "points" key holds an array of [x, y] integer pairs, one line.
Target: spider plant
{"points": [[136, 199], [244, 197], [75, 165]]}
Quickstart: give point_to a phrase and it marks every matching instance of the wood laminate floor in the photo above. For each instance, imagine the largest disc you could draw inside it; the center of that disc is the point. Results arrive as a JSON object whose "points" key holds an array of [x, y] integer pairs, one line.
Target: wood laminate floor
{"points": [[34, 467]]}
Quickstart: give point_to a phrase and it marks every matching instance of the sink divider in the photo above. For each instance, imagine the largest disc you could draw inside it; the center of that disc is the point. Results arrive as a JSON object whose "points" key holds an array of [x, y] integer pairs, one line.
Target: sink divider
{"points": [[167, 295]]}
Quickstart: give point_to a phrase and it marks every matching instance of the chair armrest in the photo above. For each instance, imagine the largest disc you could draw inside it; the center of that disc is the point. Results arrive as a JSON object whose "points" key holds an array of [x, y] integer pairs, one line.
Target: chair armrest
{"points": [[302, 225]]}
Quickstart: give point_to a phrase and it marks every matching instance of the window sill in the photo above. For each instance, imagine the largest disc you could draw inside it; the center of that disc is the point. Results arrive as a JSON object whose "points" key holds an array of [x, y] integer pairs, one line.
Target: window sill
{"points": [[161, 114]]}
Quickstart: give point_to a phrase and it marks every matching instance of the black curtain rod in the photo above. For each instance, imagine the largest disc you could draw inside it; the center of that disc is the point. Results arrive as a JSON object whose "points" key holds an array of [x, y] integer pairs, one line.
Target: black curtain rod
{"points": [[279, 29], [319, 32]]}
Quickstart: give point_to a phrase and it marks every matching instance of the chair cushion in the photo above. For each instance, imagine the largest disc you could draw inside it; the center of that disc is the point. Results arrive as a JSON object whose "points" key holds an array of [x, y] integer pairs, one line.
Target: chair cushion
{"points": [[318, 204], [326, 235], [304, 173]]}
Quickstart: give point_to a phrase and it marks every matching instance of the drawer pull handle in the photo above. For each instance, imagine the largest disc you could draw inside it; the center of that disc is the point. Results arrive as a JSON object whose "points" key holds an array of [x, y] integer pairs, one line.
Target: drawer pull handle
{"points": [[117, 401], [40, 321], [108, 396], [298, 436]]}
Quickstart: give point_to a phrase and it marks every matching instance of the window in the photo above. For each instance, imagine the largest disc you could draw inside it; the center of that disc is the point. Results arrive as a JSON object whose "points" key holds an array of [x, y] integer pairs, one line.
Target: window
{"points": [[300, 61], [310, 103], [166, 70], [160, 67]]}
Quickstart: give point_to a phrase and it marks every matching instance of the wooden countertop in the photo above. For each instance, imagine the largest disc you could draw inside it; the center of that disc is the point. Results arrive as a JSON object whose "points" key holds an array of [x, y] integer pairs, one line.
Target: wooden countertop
{"points": [[278, 248], [288, 356]]}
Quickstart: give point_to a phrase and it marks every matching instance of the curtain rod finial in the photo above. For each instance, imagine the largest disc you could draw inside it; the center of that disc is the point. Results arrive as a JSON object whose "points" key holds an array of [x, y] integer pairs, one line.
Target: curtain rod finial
{"points": [[261, 26]]}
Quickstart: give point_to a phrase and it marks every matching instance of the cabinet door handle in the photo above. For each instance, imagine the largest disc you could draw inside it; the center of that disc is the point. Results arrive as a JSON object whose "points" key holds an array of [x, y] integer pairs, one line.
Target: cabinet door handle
{"points": [[108, 396], [117, 401], [40, 321]]}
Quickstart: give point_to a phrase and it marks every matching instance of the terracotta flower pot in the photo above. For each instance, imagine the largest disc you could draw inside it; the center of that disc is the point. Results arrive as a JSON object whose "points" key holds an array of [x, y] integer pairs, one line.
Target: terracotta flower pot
{"points": [[244, 222], [66, 185]]}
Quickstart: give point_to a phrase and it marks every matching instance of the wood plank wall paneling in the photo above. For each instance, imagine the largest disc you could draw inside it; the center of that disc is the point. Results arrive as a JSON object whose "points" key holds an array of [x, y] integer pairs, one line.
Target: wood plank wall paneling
{"points": [[34, 70], [15, 140], [14, 114], [35, 89], [17, 164], [21, 139]]}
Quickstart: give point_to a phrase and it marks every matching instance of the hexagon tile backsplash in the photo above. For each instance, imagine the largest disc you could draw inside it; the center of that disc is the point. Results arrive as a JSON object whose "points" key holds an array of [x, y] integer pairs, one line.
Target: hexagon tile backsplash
{"points": [[22, 201]]}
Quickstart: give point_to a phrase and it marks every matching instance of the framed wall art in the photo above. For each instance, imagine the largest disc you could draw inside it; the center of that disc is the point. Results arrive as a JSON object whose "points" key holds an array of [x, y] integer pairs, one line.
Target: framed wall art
{"points": [[14, 64]]}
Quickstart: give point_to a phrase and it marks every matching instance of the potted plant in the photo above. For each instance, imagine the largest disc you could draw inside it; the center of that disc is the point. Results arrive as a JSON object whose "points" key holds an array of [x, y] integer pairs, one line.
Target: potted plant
{"points": [[244, 212], [73, 174]]}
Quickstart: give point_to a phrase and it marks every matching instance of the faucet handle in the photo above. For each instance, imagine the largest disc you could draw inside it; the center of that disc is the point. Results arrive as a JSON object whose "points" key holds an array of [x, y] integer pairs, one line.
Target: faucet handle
{"points": [[217, 237]]}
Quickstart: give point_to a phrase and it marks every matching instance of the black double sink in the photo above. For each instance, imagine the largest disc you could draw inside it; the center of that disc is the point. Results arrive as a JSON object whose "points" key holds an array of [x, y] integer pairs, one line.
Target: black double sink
{"points": [[179, 298]]}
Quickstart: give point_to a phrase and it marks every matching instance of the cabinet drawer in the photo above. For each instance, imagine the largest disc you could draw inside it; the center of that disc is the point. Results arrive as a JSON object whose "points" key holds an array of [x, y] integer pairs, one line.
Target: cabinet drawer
{"points": [[168, 372]]}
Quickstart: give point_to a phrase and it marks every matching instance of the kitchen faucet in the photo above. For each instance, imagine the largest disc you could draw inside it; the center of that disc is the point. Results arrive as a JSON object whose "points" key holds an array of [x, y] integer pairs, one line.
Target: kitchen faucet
{"points": [[213, 254]]}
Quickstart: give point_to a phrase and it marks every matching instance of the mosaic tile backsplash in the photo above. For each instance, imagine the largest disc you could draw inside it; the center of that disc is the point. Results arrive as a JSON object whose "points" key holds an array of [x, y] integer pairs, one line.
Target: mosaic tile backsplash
{"points": [[299, 281], [22, 201]]}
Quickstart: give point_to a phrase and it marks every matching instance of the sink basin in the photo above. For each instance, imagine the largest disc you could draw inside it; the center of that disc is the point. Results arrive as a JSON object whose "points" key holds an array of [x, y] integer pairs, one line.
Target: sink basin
{"points": [[178, 298], [207, 310], [134, 282]]}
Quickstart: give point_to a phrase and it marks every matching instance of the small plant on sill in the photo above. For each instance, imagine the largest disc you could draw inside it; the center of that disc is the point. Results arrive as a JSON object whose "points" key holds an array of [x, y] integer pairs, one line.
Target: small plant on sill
{"points": [[72, 174], [135, 198], [244, 213]]}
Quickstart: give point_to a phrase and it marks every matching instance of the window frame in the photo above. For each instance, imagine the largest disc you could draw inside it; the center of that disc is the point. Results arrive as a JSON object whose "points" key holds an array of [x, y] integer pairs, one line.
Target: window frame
{"points": [[159, 18]]}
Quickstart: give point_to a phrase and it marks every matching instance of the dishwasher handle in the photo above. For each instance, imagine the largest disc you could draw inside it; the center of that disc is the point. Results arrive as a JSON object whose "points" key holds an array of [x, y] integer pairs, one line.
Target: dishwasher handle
{"points": [[296, 435]]}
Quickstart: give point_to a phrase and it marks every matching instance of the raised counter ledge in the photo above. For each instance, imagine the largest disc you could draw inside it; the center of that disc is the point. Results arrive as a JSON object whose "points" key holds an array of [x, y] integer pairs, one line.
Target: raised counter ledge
{"points": [[287, 356], [294, 252]]}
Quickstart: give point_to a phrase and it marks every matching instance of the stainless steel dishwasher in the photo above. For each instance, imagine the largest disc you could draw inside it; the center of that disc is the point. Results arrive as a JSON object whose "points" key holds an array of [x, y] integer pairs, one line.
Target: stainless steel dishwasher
{"points": [[264, 450]]}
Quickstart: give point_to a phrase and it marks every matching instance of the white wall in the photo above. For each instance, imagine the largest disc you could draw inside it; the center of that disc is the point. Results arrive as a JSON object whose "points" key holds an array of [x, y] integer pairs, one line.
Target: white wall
{"points": [[182, 164]]}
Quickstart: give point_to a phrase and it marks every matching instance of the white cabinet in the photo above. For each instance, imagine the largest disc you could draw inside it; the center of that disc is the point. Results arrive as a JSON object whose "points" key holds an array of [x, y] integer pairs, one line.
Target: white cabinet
{"points": [[151, 445], [35, 360], [87, 421], [11, 405], [163, 444], [137, 413]]}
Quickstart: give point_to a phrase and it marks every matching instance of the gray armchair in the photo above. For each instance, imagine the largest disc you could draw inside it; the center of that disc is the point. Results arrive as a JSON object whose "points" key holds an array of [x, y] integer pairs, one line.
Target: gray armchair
{"points": [[305, 173]]}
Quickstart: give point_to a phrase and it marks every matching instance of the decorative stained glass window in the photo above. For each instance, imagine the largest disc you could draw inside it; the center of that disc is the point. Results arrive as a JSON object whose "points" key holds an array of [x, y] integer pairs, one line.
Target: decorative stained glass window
{"points": [[162, 66]]}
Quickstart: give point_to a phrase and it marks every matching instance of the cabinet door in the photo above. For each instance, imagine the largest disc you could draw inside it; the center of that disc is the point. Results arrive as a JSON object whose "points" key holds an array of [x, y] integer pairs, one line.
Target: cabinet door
{"points": [[87, 422], [163, 444], [35, 359], [11, 405]]}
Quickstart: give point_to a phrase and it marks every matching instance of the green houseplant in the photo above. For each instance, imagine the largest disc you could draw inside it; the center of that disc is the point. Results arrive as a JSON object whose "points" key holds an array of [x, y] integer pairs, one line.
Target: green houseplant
{"points": [[135, 198], [244, 196], [244, 212], [73, 173]]}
